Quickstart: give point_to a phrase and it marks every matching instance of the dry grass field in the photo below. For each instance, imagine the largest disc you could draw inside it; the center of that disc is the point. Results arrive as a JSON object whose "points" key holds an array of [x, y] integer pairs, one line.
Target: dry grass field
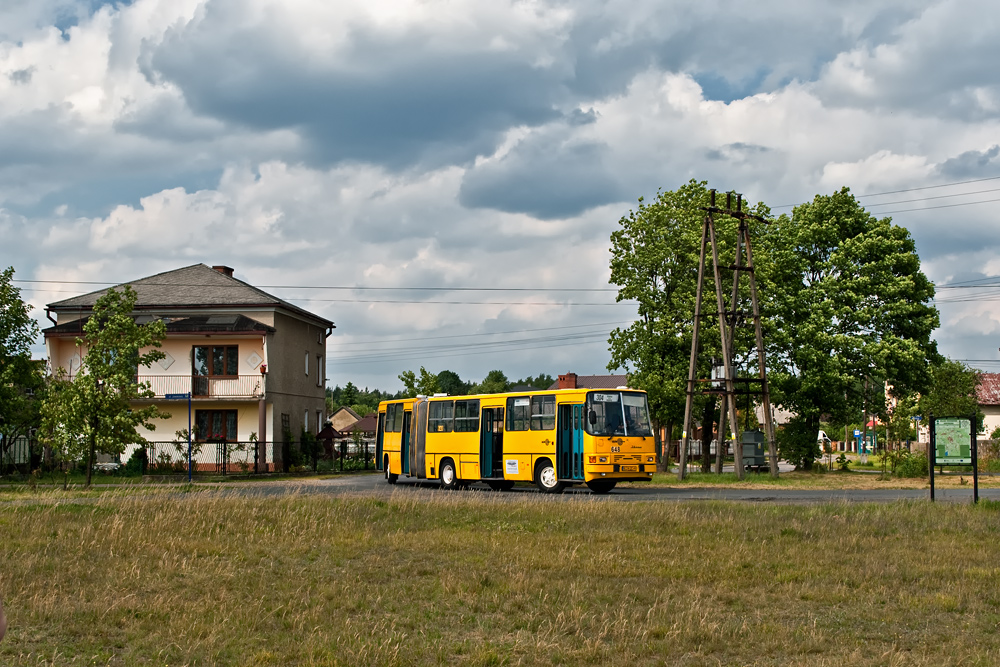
{"points": [[198, 579], [822, 480]]}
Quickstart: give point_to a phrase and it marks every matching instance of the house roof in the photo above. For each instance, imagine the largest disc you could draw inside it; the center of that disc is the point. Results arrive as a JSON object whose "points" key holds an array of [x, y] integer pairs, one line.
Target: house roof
{"points": [[195, 286], [988, 392], [597, 382], [181, 325], [366, 424], [348, 410]]}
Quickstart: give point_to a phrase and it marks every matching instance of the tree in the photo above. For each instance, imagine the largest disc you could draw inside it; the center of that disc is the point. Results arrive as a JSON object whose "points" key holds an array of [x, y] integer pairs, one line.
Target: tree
{"points": [[425, 385], [844, 300], [94, 411], [952, 392], [494, 383], [21, 379], [542, 381], [451, 384]]}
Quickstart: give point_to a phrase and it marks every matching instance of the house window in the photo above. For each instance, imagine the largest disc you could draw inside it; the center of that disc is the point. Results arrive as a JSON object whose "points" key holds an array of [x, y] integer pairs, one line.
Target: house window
{"points": [[216, 360], [307, 363], [319, 370], [215, 426], [319, 421], [305, 421]]}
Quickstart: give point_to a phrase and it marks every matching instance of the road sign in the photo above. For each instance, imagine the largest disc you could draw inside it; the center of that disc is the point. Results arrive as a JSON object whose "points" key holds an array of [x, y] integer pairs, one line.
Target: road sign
{"points": [[856, 433], [176, 397]]}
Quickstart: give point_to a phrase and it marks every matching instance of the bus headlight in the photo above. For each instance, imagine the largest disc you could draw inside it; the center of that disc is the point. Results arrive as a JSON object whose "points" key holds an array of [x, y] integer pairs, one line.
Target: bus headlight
{"points": [[650, 459], [604, 459]]}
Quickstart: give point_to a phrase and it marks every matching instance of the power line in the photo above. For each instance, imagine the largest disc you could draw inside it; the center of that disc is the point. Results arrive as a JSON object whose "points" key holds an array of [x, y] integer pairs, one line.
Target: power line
{"points": [[346, 287], [931, 208], [401, 339], [918, 199], [896, 192]]}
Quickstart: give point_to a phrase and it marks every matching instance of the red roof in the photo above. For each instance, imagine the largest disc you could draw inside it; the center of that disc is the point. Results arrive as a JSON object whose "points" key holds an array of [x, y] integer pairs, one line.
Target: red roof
{"points": [[597, 382], [988, 392], [366, 424]]}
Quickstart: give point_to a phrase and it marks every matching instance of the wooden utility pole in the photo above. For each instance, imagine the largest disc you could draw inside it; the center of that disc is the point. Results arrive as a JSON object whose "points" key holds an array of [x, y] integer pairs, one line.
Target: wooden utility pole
{"points": [[729, 320]]}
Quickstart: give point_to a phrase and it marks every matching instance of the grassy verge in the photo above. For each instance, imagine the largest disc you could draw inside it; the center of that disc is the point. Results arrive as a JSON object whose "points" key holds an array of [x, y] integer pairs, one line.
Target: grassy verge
{"points": [[206, 580]]}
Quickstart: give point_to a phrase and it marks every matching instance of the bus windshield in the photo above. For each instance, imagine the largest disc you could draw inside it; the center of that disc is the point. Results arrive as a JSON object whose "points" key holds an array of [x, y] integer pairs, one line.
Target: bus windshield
{"points": [[623, 413]]}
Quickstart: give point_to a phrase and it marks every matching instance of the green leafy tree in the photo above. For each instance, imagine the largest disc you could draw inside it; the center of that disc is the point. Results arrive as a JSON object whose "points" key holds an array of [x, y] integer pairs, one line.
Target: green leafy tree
{"points": [[494, 383], [451, 384], [541, 381], [350, 394], [21, 379], [94, 411], [844, 300], [952, 392], [426, 384]]}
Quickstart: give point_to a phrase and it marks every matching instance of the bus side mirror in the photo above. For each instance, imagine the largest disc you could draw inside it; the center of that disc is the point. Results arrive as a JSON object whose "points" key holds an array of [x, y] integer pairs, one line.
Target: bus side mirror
{"points": [[592, 417]]}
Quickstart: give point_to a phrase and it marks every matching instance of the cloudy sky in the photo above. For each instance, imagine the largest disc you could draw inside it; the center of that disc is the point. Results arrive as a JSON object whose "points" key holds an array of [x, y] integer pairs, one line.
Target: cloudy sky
{"points": [[317, 146]]}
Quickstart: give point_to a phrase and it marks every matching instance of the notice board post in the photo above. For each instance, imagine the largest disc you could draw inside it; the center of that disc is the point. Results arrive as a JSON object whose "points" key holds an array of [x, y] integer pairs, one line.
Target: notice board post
{"points": [[950, 448]]}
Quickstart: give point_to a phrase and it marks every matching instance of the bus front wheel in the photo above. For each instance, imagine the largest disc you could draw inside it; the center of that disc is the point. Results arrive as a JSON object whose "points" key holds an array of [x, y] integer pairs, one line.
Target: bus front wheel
{"points": [[545, 477], [449, 478], [601, 486]]}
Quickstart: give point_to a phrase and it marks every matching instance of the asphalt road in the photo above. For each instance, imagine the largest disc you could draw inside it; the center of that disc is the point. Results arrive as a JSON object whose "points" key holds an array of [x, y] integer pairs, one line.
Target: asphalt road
{"points": [[375, 485]]}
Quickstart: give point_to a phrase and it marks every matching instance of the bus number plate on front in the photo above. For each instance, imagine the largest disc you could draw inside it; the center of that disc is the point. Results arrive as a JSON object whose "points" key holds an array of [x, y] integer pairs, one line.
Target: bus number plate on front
{"points": [[629, 468]]}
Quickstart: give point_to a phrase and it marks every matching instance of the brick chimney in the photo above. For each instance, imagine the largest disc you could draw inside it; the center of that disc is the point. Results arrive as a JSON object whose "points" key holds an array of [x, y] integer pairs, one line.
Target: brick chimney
{"points": [[567, 381], [224, 270]]}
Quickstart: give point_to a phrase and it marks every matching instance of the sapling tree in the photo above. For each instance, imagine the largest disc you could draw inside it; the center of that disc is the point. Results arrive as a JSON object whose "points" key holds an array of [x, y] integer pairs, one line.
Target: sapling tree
{"points": [[95, 411], [21, 379]]}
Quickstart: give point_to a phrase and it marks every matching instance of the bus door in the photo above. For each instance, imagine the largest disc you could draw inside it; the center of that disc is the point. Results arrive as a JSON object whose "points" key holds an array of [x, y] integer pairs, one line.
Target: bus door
{"points": [[569, 448], [379, 435], [404, 449], [491, 443]]}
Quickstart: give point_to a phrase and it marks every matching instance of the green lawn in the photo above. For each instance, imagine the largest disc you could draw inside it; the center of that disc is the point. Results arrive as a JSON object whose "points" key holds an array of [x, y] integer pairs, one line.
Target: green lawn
{"points": [[124, 579]]}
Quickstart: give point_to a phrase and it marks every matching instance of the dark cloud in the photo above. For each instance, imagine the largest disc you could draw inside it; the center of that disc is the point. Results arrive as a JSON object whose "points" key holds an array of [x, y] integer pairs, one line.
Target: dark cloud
{"points": [[544, 178], [389, 100], [972, 164]]}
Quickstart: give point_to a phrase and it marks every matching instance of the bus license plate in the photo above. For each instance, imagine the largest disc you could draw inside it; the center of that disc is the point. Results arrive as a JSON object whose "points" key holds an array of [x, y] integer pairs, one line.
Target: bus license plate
{"points": [[629, 468]]}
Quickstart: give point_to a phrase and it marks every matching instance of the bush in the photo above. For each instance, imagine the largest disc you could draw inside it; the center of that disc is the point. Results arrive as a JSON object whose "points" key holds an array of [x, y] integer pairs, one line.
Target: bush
{"points": [[912, 465], [136, 464], [797, 444]]}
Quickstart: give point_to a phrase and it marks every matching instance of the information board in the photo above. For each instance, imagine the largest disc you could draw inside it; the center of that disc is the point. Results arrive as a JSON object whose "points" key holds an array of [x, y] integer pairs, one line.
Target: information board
{"points": [[952, 445]]}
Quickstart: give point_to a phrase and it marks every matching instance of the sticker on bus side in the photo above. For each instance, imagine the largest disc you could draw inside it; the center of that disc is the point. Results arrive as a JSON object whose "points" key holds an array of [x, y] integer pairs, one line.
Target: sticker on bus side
{"points": [[511, 466], [522, 401], [606, 398]]}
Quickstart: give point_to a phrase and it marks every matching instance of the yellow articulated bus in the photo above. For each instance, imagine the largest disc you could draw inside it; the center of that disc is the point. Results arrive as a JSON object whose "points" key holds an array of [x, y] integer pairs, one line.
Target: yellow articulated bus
{"points": [[553, 438]]}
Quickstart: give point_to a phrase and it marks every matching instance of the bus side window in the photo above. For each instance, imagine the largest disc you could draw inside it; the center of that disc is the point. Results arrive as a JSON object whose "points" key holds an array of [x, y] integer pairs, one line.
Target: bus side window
{"points": [[518, 413], [467, 416], [543, 413]]}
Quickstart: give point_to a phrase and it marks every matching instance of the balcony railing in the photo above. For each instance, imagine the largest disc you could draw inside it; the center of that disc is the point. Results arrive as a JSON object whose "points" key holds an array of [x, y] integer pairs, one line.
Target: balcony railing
{"points": [[201, 386]]}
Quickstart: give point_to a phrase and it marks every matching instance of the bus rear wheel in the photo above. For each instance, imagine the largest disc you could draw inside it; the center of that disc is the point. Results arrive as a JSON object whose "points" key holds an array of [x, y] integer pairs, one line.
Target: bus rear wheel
{"points": [[545, 477], [449, 478], [389, 476], [501, 485], [601, 486]]}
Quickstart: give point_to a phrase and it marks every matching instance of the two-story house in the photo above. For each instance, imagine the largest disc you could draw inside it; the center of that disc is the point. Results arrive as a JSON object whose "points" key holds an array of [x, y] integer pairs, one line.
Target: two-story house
{"points": [[252, 363]]}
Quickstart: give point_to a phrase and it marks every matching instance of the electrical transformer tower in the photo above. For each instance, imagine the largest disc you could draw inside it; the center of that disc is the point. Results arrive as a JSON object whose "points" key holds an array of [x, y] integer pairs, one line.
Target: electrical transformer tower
{"points": [[728, 321]]}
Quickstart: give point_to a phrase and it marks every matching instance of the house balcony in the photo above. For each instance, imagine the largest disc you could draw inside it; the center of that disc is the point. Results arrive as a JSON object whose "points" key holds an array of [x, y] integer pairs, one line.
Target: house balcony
{"points": [[201, 387]]}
